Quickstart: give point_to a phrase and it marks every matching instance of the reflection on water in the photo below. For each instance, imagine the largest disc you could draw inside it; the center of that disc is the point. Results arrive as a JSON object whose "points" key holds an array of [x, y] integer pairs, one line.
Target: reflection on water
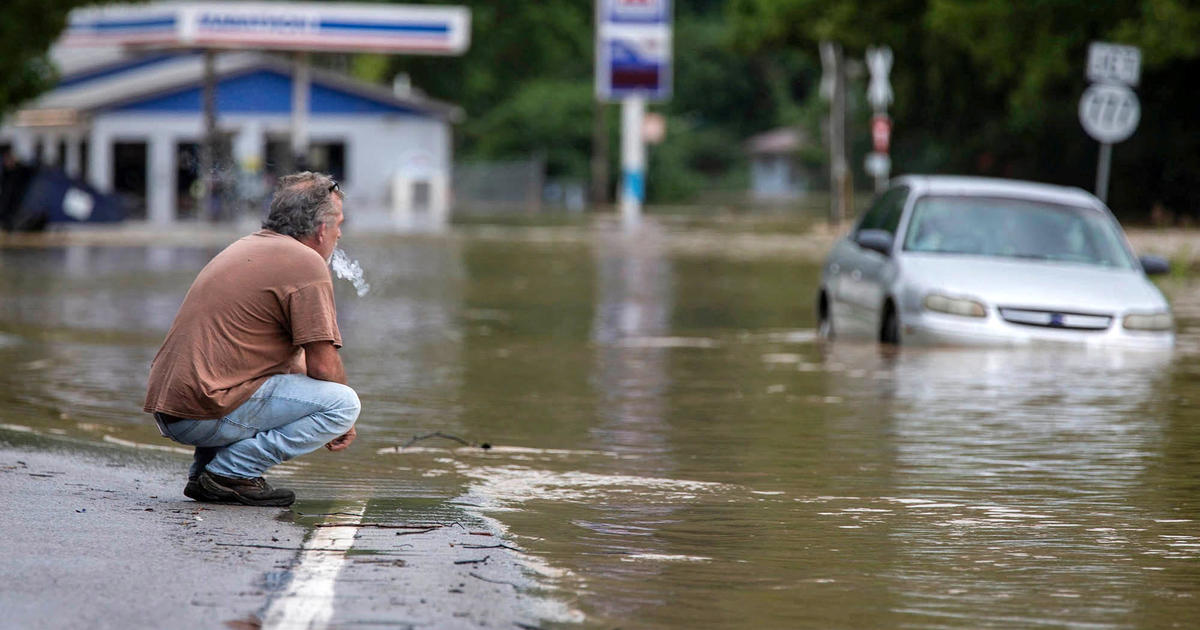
{"points": [[672, 447], [1018, 479]]}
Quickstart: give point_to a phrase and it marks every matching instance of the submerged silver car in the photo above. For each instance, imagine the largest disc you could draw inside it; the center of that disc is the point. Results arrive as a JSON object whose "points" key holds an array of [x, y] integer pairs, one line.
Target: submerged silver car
{"points": [[978, 261]]}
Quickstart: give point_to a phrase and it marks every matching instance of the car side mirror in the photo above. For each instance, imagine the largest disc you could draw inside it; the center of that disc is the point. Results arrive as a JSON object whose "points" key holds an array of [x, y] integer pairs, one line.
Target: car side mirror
{"points": [[875, 240], [1154, 265]]}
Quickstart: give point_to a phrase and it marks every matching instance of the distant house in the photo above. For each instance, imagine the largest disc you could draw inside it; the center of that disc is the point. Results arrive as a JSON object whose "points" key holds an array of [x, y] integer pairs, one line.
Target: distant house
{"points": [[776, 173], [132, 124]]}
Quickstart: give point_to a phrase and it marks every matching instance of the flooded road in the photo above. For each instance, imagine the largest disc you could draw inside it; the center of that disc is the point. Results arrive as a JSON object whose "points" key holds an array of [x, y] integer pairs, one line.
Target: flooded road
{"points": [[672, 447]]}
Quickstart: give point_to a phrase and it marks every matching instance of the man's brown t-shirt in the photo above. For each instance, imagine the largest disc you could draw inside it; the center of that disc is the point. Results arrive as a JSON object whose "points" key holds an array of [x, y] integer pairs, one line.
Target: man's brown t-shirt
{"points": [[243, 321]]}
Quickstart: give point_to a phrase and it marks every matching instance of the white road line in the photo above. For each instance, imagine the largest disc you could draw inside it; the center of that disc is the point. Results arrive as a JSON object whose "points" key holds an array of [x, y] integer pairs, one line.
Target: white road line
{"points": [[308, 602]]}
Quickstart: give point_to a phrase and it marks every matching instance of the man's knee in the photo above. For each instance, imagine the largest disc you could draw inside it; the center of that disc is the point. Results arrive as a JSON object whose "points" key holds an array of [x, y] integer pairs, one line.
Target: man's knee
{"points": [[347, 408]]}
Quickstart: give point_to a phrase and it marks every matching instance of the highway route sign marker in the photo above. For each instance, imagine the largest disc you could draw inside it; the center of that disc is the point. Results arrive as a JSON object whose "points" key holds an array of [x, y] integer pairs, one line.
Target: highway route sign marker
{"points": [[1109, 112]]}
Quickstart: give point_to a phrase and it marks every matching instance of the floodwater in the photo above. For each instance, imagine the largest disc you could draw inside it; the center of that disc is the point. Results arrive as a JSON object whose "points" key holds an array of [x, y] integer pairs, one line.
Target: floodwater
{"points": [[670, 444]]}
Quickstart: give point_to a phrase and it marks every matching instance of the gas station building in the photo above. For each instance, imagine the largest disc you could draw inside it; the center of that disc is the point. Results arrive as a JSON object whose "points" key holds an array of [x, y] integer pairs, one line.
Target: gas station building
{"points": [[131, 120]]}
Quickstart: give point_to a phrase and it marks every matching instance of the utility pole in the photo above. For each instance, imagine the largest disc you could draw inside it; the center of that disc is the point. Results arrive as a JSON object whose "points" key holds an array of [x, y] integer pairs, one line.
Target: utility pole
{"points": [[599, 166], [833, 87], [301, 85], [208, 145]]}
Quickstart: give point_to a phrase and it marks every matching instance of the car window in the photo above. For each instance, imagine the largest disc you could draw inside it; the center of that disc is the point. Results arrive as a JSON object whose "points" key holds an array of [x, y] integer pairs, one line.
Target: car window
{"points": [[884, 214], [1016, 228]]}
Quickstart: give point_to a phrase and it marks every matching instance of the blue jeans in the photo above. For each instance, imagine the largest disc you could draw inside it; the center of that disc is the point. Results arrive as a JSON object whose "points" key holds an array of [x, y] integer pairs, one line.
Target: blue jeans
{"points": [[289, 415]]}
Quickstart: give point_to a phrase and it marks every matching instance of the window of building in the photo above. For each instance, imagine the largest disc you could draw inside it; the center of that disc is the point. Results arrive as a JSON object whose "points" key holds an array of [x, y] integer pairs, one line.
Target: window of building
{"points": [[129, 177]]}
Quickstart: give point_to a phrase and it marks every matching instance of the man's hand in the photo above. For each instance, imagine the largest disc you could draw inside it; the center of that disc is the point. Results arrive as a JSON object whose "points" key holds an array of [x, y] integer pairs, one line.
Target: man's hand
{"points": [[341, 442]]}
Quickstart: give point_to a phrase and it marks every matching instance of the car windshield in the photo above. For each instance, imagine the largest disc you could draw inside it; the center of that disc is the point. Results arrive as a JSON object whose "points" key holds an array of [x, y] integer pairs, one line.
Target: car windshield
{"points": [[1016, 228]]}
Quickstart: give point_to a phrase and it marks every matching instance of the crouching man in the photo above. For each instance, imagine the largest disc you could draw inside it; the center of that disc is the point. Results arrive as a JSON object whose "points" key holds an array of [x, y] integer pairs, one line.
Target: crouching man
{"points": [[249, 373]]}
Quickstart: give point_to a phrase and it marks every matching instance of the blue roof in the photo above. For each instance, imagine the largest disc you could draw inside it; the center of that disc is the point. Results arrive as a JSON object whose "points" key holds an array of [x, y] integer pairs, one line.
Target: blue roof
{"points": [[263, 91], [122, 67]]}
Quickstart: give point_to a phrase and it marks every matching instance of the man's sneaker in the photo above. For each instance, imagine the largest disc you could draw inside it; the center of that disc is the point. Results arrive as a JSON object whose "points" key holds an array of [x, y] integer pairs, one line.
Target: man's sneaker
{"points": [[254, 491], [193, 490]]}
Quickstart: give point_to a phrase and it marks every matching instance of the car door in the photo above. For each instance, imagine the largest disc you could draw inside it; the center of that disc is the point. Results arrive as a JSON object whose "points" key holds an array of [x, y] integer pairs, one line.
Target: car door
{"points": [[865, 272], [836, 276]]}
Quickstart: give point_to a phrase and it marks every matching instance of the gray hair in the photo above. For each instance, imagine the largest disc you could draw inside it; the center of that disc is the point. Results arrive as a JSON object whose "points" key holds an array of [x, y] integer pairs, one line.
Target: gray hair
{"points": [[302, 202]]}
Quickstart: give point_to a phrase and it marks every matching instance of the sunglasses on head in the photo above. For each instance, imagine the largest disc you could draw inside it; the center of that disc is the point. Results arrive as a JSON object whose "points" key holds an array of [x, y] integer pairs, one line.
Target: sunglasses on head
{"points": [[335, 188]]}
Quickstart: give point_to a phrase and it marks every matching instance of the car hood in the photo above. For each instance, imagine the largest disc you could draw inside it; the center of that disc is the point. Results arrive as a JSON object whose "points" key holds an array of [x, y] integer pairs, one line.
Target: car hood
{"points": [[1032, 284]]}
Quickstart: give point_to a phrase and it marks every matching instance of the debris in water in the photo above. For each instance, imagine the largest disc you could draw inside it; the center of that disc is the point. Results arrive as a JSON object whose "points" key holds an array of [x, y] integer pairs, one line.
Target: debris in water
{"points": [[417, 438]]}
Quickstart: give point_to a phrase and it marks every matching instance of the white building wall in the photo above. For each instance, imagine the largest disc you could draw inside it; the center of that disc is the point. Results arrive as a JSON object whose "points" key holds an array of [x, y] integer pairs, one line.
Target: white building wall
{"points": [[100, 174], [387, 158], [49, 141], [381, 152], [249, 144], [774, 178], [23, 144], [160, 132], [26, 140], [160, 178]]}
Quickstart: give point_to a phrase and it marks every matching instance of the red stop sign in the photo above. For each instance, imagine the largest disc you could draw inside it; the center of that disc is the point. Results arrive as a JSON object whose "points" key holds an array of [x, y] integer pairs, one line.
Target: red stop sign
{"points": [[881, 132]]}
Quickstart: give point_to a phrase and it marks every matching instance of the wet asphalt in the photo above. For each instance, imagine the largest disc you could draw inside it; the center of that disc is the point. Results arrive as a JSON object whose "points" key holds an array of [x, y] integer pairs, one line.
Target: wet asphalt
{"points": [[93, 536]]}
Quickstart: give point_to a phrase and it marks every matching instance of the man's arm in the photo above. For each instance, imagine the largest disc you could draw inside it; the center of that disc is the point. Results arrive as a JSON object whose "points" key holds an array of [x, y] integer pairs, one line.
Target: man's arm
{"points": [[324, 364]]}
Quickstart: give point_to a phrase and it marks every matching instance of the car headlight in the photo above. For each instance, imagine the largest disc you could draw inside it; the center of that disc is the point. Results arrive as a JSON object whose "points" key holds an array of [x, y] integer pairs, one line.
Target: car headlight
{"points": [[1149, 321], [954, 305]]}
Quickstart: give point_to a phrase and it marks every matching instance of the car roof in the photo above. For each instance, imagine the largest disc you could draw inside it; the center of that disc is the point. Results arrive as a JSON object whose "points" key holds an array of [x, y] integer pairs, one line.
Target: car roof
{"points": [[988, 186]]}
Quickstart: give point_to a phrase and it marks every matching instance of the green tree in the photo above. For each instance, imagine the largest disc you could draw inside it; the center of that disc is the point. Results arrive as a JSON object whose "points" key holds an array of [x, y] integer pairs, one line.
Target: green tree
{"points": [[526, 84], [518, 51], [550, 117], [721, 96], [27, 28], [992, 87]]}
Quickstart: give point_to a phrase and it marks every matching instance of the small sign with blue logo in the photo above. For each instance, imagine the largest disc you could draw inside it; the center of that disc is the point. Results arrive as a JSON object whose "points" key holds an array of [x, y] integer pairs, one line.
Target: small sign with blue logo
{"points": [[333, 26], [633, 49]]}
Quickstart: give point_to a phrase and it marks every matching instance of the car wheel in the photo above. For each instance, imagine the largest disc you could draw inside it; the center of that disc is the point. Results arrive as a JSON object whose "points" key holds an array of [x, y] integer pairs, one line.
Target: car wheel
{"points": [[890, 331], [824, 321]]}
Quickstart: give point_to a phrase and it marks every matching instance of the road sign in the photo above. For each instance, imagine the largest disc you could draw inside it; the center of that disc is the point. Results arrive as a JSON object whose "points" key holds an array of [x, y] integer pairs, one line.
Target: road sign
{"points": [[1112, 63], [654, 128], [881, 132], [877, 164], [633, 49], [633, 65], [638, 63], [305, 26], [646, 12], [1109, 112], [879, 91]]}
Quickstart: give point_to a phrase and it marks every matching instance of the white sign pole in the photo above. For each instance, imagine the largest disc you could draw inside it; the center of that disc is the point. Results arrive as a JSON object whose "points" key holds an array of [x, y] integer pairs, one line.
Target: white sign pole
{"points": [[1103, 165], [633, 65], [633, 159]]}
